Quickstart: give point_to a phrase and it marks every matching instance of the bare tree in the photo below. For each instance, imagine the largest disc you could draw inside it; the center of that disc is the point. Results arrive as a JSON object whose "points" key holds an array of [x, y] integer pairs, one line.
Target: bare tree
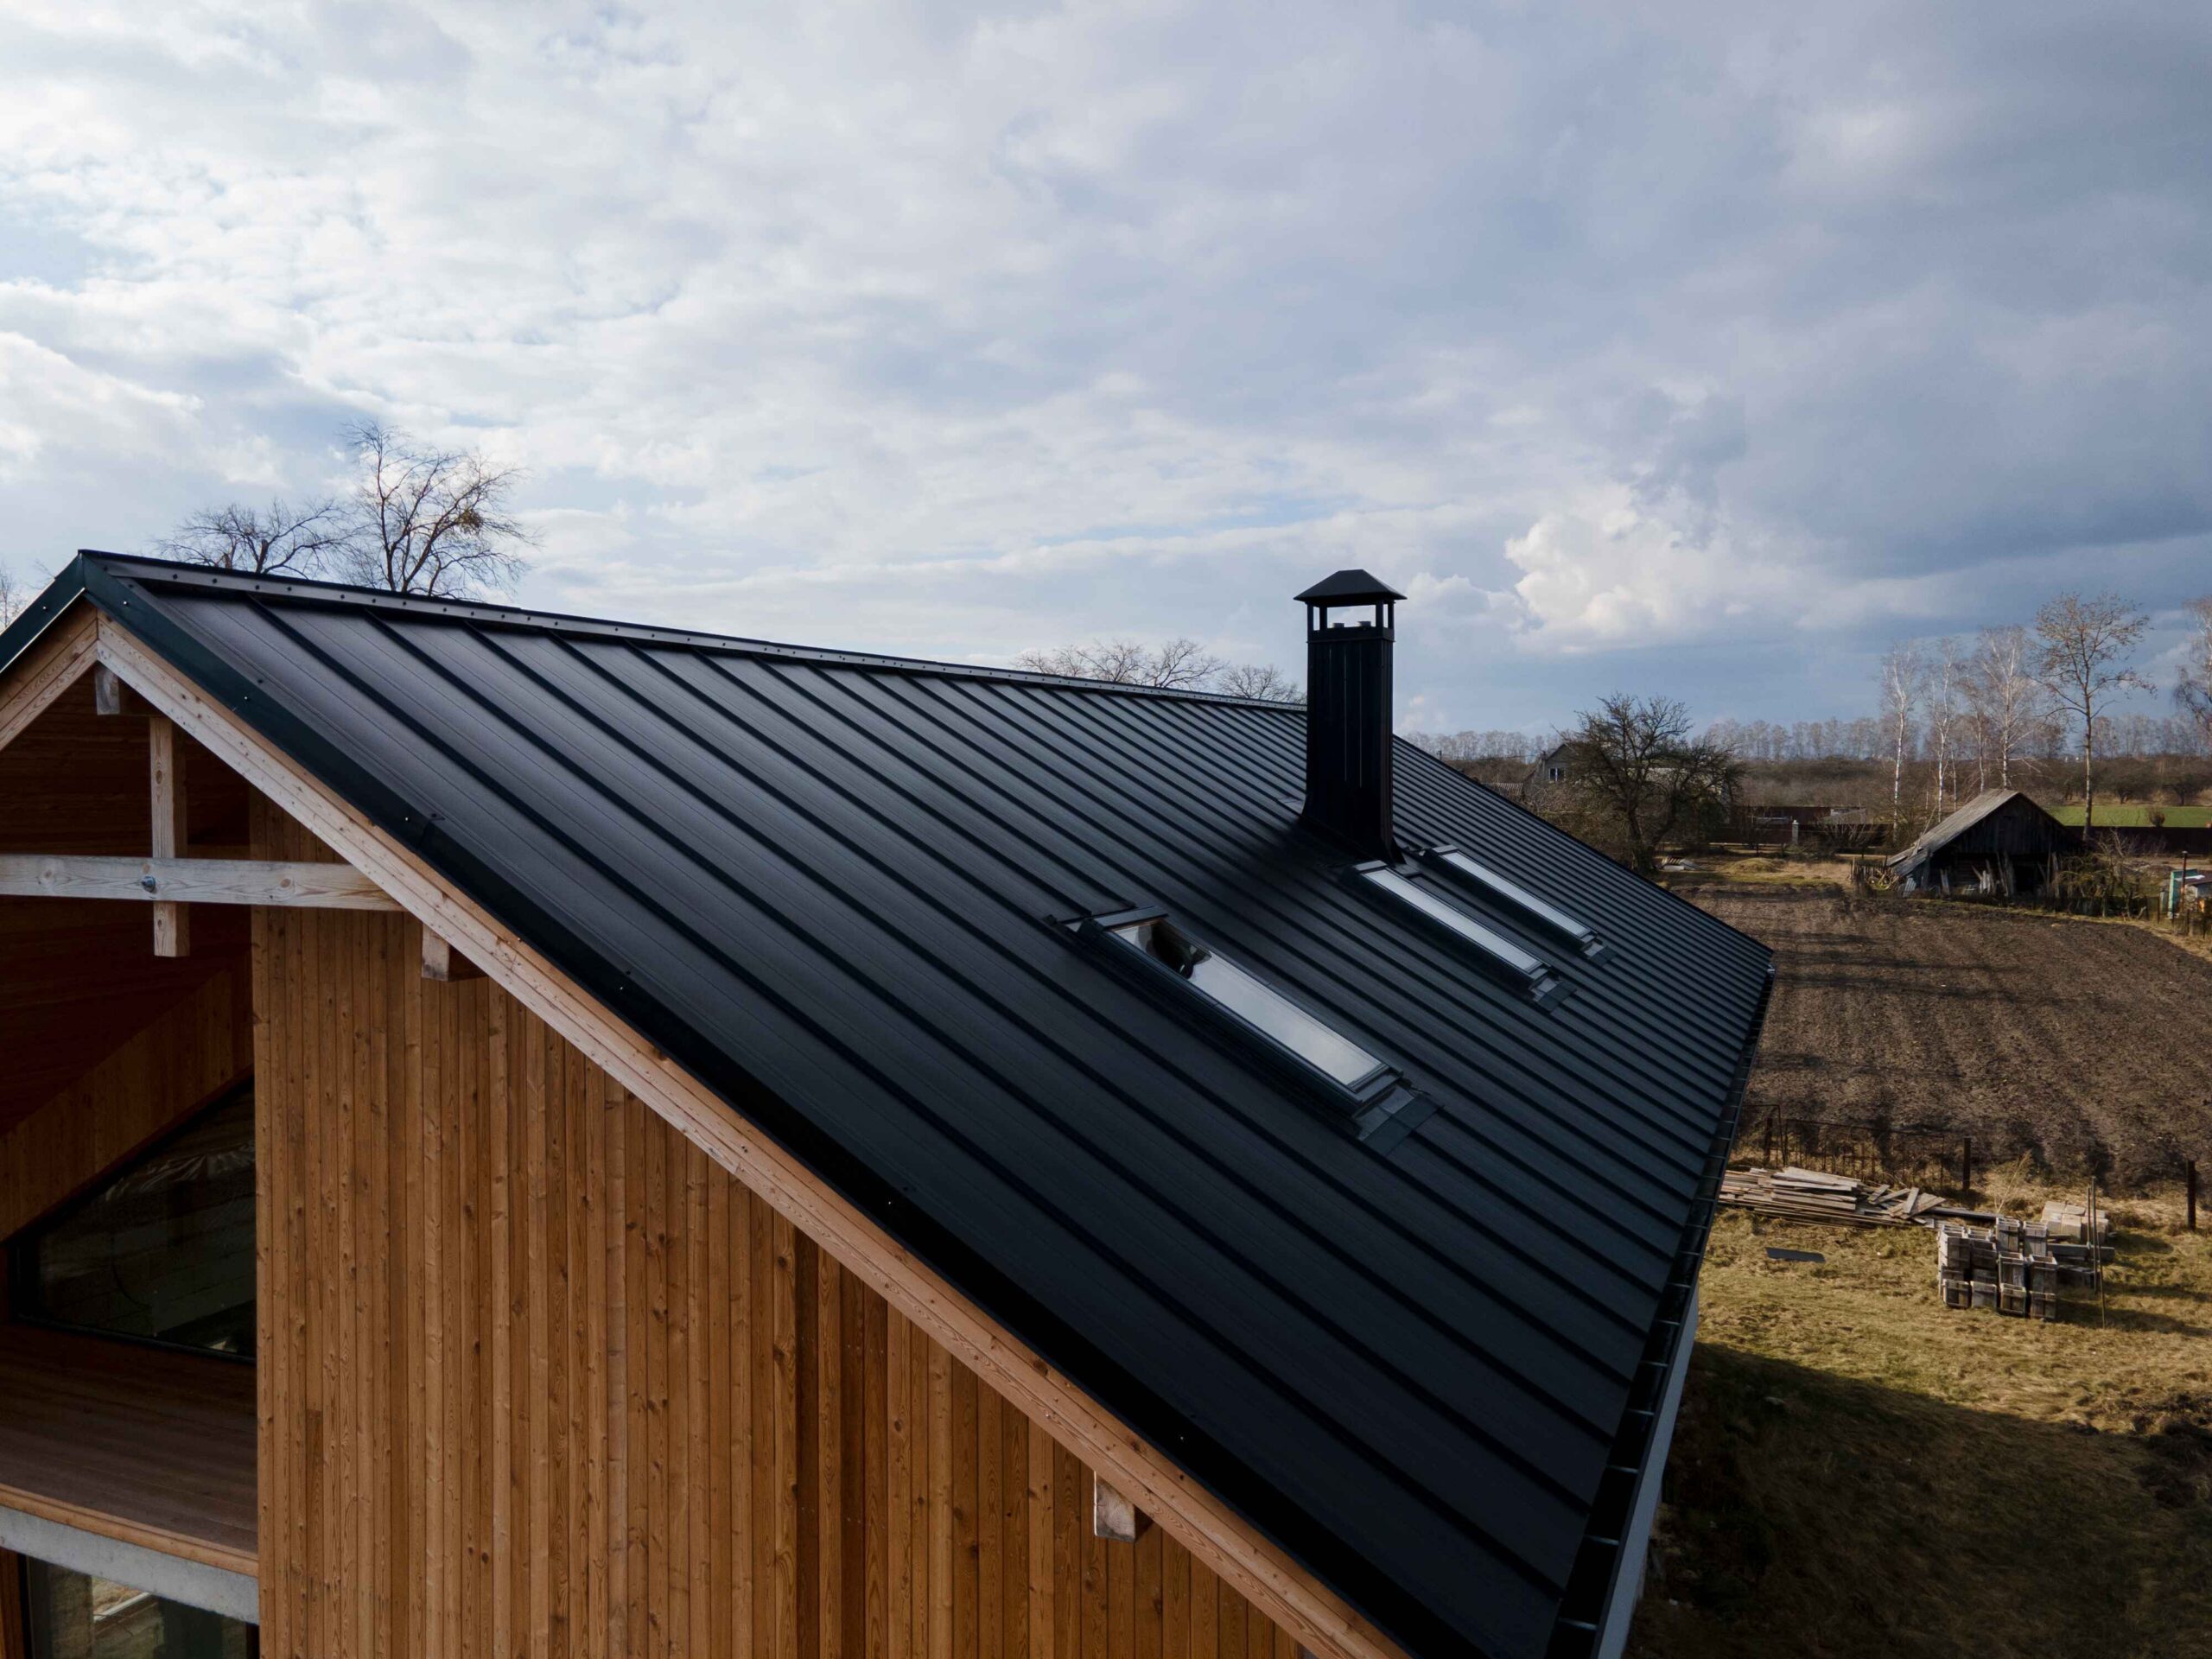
{"points": [[2193, 690], [1263, 681], [1634, 767], [2079, 663], [436, 522], [1945, 669], [1903, 674], [280, 539], [2007, 700], [1180, 664]]}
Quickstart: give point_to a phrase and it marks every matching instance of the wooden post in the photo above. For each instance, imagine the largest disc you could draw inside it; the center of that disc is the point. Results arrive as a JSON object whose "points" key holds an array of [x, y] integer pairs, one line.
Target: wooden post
{"points": [[172, 922]]}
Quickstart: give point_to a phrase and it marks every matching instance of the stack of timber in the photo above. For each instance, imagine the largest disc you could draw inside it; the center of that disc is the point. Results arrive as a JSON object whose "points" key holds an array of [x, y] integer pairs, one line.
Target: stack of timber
{"points": [[1795, 1194], [2007, 1266]]}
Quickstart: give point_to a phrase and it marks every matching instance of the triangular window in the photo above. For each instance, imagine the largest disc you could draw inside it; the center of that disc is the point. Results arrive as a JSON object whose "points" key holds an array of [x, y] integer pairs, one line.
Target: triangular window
{"points": [[161, 1251]]}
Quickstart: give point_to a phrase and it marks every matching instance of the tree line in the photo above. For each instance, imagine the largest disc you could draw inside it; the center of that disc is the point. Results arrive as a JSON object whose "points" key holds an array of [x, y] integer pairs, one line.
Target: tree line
{"points": [[1987, 710]]}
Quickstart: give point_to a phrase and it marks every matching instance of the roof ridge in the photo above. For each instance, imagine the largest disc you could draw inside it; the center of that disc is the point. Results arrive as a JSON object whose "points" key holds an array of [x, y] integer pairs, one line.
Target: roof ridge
{"points": [[349, 596]]}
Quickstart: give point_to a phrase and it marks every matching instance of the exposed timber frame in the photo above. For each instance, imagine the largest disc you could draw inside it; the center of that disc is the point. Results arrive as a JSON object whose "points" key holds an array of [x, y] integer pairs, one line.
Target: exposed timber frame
{"points": [[1149, 1480], [170, 883]]}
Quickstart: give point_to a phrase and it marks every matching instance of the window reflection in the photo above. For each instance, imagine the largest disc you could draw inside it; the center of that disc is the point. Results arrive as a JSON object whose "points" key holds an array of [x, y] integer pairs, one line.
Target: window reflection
{"points": [[75, 1616], [1252, 1000], [164, 1251]]}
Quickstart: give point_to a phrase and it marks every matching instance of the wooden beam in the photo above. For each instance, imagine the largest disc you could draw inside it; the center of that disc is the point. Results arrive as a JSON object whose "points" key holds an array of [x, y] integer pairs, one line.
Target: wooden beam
{"points": [[1112, 1515], [165, 773], [1246, 1560], [55, 661], [442, 962], [111, 696], [176, 881]]}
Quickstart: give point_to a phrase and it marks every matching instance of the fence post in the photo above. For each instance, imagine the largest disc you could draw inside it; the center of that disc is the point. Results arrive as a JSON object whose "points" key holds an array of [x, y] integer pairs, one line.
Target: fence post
{"points": [[1965, 1166]]}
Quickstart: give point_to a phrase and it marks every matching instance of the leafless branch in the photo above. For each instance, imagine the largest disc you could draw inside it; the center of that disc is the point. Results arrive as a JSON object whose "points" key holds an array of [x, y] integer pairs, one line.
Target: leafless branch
{"points": [[281, 538], [435, 522]]}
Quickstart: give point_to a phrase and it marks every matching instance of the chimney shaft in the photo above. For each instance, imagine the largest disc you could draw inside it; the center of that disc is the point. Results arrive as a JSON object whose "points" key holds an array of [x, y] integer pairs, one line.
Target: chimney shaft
{"points": [[1348, 711]]}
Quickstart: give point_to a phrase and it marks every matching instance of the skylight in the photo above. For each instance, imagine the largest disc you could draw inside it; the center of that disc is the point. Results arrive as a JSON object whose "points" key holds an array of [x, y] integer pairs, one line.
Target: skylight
{"points": [[1251, 1000], [1521, 963], [1514, 893]]}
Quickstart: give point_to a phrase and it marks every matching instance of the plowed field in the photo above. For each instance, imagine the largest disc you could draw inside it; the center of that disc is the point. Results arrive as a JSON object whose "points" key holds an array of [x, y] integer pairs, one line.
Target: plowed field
{"points": [[2085, 1043]]}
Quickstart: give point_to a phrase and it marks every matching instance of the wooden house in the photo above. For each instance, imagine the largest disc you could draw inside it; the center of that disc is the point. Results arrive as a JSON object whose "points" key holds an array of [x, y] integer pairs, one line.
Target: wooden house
{"points": [[1999, 843], [530, 1135]]}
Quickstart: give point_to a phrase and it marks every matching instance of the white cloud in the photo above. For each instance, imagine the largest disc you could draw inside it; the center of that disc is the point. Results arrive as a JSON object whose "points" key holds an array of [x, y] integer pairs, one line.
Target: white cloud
{"points": [[907, 327]]}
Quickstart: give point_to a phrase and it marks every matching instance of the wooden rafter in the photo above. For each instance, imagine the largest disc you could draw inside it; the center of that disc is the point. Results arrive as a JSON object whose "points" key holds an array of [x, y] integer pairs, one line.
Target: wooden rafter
{"points": [[1246, 1560], [60, 657]]}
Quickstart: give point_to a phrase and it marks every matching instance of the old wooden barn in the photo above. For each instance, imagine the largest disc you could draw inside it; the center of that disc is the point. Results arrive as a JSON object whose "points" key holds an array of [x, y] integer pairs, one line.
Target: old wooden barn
{"points": [[525, 1135], [1999, 842]]}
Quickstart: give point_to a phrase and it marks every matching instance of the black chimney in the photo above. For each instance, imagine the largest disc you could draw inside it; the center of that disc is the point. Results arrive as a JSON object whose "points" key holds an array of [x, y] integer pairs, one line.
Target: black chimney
{"points": [[1348, 711]]}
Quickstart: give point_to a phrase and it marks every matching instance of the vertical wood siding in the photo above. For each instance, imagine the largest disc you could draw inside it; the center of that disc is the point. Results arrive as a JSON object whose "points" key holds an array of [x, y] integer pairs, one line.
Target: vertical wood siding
{"points": [[539, 1378]]}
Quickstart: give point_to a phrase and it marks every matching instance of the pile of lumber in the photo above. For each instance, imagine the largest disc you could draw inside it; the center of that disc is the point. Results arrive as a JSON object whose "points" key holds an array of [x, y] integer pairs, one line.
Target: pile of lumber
{"points": [[1795, 1194], [2007, 1266]]}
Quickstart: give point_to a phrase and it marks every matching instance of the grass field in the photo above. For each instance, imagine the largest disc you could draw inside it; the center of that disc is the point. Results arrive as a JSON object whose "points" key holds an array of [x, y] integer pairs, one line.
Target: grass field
{"points": [[2081, 1042], [1860, 1471], [2129, 815]]}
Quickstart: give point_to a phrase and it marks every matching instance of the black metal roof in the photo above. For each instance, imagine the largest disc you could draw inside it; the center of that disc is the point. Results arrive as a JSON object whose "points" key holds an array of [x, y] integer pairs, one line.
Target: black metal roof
{"points": [[836, 887]]}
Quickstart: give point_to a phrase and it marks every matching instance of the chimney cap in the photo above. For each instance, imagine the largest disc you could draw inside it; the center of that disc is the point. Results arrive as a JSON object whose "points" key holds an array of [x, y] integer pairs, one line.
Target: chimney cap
{"points": [[1350, 588]]}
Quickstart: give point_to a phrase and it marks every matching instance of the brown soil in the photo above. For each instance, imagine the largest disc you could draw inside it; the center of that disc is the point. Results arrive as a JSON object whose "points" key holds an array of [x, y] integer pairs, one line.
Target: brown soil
{"points": [[2082, 1046]]}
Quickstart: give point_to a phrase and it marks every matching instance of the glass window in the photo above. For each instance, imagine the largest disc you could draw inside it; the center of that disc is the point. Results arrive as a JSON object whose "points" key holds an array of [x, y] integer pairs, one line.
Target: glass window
{"points": [[1252, 1000], [73, 1616], [1528, 967], [164, 1251], [1518, 896]]}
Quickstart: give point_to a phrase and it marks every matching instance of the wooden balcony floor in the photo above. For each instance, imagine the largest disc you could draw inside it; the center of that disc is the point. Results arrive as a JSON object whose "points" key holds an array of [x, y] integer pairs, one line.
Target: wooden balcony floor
{"points": [[151, 1447]]}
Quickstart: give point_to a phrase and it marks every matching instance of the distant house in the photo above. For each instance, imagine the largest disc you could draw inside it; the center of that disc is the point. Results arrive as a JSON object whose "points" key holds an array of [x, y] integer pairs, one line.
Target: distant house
{"points": [[1999, 842], [1553, 768]]}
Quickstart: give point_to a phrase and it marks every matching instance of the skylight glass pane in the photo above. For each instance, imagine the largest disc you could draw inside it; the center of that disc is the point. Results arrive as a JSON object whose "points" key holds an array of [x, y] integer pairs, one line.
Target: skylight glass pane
{"points": [[1414, 894], [1514, 893], [1254, 1002]]}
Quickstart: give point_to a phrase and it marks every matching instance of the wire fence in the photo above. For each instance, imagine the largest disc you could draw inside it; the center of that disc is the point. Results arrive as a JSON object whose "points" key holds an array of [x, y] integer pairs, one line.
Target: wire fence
{"points": [[1901, 1154]]}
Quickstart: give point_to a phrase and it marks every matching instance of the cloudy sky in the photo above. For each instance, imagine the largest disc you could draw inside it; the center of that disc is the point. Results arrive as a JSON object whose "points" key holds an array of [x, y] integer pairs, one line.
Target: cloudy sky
{"points": [[1699, 350]]}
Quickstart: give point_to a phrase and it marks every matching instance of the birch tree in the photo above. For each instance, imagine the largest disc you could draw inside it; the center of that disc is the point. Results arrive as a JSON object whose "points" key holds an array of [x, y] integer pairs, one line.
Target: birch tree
{"points": [[1904, 672], [2008, 701], [2193, 690], [2081, 663]]}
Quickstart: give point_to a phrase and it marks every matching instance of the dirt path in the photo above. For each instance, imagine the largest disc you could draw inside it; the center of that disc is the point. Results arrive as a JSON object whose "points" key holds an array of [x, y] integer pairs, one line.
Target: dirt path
{"points": [[2030, 1033]]}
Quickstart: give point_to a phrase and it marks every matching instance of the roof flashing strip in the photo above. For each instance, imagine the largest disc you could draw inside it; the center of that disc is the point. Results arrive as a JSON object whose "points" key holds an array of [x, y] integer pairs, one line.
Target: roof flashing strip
{"points": [[1361, 1088], [1464, 866]]}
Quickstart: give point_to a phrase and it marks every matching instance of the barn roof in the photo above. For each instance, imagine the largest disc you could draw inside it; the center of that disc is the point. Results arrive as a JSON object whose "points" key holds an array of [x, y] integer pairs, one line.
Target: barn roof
{"points": [[837, 888], [1982, 806]]}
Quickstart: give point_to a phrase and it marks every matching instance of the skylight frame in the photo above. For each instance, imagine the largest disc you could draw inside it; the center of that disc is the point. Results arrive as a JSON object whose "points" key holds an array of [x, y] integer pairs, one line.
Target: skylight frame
{"points": [[1457, 864], [1408, 888], [1380, 1106]]}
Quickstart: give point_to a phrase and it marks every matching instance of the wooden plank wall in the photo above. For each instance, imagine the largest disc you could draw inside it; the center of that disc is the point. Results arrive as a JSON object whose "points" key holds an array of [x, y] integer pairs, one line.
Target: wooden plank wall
{"points": [[537, 1377], [152, 1080]]}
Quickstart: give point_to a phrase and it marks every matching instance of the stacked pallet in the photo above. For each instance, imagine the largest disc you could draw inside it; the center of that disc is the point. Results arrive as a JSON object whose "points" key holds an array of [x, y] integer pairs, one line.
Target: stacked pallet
{"points": [[2007, 1266], [2067, 1225], [1795, 1194]]}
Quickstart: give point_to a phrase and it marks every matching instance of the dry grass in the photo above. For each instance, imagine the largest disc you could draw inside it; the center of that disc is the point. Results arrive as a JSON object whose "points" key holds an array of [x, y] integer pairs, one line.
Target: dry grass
{"points": [[1860, 1469]]}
